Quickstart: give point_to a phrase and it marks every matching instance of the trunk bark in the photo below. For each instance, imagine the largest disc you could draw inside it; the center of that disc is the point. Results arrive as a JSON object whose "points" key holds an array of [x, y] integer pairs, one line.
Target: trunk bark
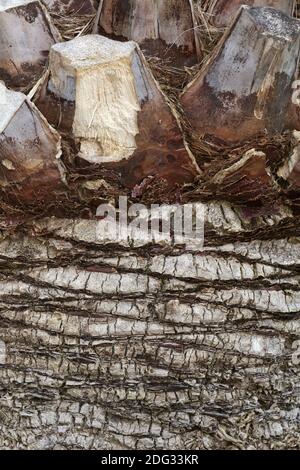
{"points": [[117, 346]]}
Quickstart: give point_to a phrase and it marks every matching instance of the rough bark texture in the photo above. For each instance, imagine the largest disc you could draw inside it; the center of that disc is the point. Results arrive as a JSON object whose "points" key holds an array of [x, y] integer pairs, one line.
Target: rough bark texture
{"points": [[163, 29], [29, 151], [246, 87], [118, 347], [223, 11], [26, 35], [103, 91]]}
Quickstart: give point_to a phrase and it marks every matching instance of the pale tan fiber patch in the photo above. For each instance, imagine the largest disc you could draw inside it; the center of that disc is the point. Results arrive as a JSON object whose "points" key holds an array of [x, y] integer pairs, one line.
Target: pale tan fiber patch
{"points": [[106, 111]]}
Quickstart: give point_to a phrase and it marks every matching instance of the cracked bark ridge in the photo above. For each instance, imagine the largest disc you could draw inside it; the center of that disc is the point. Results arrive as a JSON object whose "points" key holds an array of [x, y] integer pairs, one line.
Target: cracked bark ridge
{"points": [[162, 29], [117, 346], [26, 35], [29, 152], [246, 87], [78, 7], [104, 93], [223, 11]]}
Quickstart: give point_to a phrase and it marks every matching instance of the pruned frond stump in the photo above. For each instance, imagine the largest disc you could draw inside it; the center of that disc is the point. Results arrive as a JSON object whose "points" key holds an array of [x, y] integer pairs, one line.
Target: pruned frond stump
{"points": [[248, 179], [162, 29], [26, 36], [104, 93], [76, 7], [246, 87], [29, 152], [290, 170], [222, 12]]}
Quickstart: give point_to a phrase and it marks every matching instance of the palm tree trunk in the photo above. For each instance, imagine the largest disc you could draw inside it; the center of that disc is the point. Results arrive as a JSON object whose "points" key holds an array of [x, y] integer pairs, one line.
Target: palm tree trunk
{"points": [[128, 343]]}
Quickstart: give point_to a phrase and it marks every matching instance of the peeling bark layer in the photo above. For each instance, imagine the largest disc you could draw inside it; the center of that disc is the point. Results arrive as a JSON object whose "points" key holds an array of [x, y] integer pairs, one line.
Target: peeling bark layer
{"points": [[149, 347], [223, 11], [162, 29], [246, 87], [103, 91], [29, 152], [26, 35]]}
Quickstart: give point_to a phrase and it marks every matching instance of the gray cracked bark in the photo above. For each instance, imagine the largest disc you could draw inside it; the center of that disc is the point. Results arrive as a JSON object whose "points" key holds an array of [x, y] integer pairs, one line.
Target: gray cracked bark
{"points": [[118, 347]]}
